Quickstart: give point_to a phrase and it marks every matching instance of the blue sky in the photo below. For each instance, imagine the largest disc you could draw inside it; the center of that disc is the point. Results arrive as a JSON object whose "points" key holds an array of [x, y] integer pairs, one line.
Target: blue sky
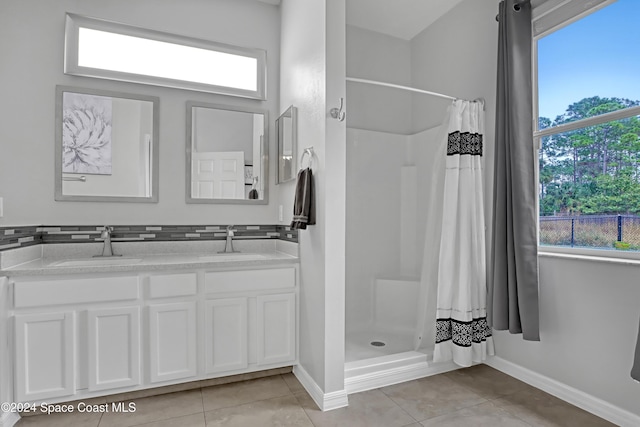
{"points": [[596, 56]]}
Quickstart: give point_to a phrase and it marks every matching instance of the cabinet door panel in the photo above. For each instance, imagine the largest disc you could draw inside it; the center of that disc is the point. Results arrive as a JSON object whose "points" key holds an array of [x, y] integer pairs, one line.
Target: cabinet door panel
{"points": [[114, 348], [44, 355], [276, 328], [172, 341], [225, 334]]}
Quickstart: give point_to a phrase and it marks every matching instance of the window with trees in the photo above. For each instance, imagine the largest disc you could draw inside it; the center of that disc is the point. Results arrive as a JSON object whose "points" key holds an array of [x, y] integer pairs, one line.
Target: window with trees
{"points": [[588, 129]]}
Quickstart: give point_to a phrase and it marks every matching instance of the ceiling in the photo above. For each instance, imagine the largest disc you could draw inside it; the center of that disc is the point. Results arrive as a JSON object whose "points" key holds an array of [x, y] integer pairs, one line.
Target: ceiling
{"points": [[398, 18]]}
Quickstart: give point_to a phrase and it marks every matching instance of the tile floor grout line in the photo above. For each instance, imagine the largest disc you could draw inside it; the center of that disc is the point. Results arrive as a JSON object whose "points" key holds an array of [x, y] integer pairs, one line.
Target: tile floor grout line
{"points": [[398, 405], [454, 411], [305, 411], [246, 403]]}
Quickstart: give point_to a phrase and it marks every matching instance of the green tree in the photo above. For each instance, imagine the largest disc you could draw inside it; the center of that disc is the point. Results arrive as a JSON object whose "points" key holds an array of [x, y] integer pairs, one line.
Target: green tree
{"points": [[593, 170]]}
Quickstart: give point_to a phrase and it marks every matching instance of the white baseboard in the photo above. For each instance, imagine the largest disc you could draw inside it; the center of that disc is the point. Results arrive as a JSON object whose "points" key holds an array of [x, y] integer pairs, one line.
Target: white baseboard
{"points": [[396, 375], [8, 419], [567, 393], [325, 401]]}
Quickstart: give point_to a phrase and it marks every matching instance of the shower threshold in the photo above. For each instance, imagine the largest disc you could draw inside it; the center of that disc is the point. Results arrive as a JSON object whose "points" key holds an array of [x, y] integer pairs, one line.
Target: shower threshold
{"points": [[382, 371]]}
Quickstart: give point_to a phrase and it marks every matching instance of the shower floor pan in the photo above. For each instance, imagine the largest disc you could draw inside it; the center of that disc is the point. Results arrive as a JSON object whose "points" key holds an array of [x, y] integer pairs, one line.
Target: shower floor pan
{"points": [[366, 344], [372, 366]]}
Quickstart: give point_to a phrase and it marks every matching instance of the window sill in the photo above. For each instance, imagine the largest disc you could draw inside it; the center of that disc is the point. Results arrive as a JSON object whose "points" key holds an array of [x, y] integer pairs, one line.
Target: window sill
{"points": [[594, 255]]}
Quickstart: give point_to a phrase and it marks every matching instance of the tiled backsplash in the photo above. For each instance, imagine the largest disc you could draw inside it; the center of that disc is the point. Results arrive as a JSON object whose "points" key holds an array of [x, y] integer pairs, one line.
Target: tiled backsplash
{"points": [[21, 236]]}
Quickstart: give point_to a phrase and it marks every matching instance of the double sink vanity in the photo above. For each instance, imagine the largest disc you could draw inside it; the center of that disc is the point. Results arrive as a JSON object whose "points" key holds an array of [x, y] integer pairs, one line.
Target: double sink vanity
{"points": [[81, 320], [162, 313]]}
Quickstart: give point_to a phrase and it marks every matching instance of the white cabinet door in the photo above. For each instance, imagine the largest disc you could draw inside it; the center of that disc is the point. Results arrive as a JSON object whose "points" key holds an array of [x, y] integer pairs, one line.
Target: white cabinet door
{"points": [[114, 347], [226, 334], [276, 330], [44, 355], [172, 341]]}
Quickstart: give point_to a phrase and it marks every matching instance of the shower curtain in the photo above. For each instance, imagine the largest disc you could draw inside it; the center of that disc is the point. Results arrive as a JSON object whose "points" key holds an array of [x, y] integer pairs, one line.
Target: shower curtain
{"points": [[462, 333]]}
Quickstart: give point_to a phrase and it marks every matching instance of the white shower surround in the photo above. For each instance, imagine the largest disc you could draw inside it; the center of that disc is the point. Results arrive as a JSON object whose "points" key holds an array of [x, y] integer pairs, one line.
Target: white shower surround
{"points": [[384, 226]]}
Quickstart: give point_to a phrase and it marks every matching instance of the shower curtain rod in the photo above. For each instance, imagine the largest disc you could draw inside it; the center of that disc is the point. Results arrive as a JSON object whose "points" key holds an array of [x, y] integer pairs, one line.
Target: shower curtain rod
{"points": [[411, 89]]}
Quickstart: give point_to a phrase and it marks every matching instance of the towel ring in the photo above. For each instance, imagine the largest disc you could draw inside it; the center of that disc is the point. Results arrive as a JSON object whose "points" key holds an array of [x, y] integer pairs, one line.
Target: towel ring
{"points": [[307, 151]]}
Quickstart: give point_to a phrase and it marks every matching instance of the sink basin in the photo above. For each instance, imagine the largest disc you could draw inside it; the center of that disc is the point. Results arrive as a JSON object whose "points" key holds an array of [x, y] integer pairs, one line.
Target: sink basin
{"points": [[93, 262], [230, 257]]}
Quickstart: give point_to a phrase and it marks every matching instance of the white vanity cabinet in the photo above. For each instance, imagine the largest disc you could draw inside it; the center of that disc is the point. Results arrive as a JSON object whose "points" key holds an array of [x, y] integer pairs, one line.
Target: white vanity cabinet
{"points": [[172, 331], [44, 355], [276, 328], [78, 336], [75, 333], [254, 324], [226, 334], [113, 338]]}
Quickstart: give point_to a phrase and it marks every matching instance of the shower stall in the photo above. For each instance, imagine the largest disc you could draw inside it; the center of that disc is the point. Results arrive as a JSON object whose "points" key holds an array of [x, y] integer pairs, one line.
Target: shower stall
{"points": [[389, 304]]}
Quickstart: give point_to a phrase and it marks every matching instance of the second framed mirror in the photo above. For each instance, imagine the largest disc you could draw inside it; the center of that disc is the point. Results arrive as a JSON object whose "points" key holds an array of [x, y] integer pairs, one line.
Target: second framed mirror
{"points": [[226, 154]]}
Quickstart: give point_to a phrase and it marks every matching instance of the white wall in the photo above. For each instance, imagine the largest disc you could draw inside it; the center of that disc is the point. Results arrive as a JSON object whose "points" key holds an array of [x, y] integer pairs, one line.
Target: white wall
{"points": [[313, 71], [378, 120], [31, 42], [374, 161], [588, 310]]}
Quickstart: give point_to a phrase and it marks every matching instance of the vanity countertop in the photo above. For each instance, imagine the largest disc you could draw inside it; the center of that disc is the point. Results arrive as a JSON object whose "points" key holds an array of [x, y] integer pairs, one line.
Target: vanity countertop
{"points": [[65, 260]]}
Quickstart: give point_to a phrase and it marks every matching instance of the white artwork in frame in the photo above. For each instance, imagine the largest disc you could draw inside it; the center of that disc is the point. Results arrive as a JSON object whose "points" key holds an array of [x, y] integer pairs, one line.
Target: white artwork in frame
{"points": [[86, 133]]}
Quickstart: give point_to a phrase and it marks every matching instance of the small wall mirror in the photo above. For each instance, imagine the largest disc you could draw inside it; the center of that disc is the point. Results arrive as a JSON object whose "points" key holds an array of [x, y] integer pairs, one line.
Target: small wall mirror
{"points": [[106, 146], [226, 154], [287, 134]]}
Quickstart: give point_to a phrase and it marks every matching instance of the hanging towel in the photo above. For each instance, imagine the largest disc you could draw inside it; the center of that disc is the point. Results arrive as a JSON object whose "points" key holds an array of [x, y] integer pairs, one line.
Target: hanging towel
{"points": [[304, 207], [635, 371]]}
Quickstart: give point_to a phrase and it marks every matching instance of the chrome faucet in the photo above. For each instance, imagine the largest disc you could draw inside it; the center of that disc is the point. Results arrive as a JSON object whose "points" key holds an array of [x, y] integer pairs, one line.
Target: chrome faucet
{"points": [[228, 246], [107, 250]]}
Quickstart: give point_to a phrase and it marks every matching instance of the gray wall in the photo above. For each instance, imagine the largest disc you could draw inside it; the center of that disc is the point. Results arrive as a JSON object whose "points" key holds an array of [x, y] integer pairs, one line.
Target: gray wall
{"points": [[376, 56], [31, 42], [588, 326]]}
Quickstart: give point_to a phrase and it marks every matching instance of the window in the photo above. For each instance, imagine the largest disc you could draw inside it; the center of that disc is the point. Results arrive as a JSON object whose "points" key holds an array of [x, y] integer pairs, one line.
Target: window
{"points": [[588, 128], [98, 48]]}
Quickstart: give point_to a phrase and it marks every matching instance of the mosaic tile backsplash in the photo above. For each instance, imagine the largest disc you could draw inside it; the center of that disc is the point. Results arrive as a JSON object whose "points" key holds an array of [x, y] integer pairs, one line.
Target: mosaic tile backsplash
{"points": [[17, 237]]}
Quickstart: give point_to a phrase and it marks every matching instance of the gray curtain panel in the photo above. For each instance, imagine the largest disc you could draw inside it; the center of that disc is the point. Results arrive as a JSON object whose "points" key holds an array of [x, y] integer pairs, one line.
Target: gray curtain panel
{"points": [[635, 371], [513, 281]]}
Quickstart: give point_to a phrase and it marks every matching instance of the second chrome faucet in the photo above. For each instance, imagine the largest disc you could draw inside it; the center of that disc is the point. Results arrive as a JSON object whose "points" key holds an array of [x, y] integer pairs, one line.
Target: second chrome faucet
{"points": [[228, 246], [107, 250]]}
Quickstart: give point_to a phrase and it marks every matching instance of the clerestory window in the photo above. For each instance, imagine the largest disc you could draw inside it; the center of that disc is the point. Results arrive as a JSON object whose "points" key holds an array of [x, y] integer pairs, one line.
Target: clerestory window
{"points": [[104, 49]]}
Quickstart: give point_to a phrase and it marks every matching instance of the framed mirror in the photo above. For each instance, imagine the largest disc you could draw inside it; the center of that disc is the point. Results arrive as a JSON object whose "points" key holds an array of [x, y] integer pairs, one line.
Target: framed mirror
{"points": [[106, 146], [227, 154], [287, 134]]}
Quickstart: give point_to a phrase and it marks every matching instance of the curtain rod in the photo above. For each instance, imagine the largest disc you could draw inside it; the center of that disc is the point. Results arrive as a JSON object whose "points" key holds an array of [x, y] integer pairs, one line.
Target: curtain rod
{"points": [[412, 89]]}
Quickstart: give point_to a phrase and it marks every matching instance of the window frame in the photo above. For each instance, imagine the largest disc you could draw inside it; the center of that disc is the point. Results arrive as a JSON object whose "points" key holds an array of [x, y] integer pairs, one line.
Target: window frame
{"points": [[567, 127], [74, 22]]}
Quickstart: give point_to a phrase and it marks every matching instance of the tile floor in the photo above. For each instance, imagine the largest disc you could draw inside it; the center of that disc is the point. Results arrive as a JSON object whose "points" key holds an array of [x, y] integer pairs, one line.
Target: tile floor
{"points": [[476, 396]]}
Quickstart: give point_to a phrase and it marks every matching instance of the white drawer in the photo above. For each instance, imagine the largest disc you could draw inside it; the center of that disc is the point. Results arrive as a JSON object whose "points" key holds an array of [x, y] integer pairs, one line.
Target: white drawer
{"points": [[73, 291], [172, 285], [250, 280]]}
